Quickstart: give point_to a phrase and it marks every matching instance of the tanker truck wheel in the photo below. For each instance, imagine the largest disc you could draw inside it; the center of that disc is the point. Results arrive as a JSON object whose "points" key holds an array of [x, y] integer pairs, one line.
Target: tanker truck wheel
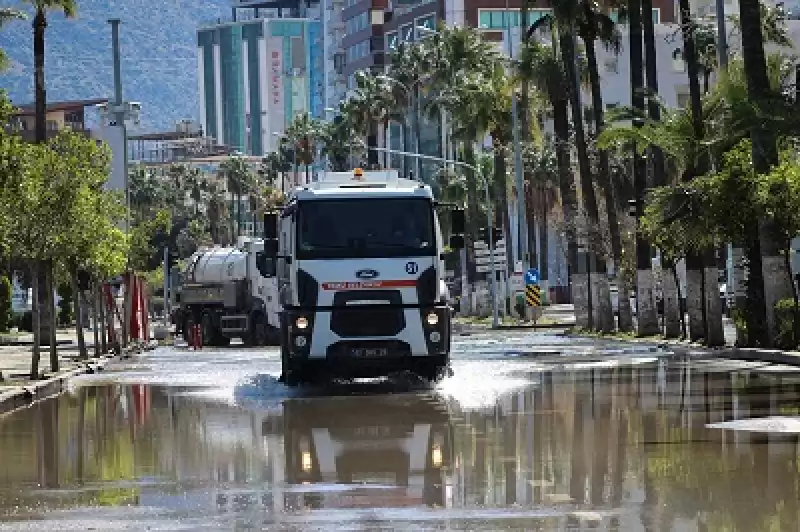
{"points": [[259, 334]]}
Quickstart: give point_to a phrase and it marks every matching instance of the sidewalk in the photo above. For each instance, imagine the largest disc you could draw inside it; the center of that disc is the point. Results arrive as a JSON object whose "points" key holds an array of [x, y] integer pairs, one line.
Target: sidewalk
{"points": [[16, 387]]}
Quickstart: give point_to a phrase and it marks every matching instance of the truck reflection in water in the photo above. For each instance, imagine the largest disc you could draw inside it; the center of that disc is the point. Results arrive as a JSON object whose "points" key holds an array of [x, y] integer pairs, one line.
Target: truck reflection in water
{"points": [[368, 451]]}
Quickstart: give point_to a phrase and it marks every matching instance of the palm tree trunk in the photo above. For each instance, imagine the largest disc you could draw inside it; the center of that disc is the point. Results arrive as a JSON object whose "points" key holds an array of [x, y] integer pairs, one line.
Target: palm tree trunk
{"points": [[604, 178], [705, 313], [594, 280], [77, 308], [767, 281], [569, 204], [672, 304], [39, 26], [36, 319], [646, 309]]}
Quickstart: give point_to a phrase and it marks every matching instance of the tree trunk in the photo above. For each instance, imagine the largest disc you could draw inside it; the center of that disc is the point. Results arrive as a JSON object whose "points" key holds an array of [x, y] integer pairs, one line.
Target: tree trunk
{"points": [[78, 308], [36, 313], [40, 93], [96, 323], [702, 324], [569, 206], [51, 313], [104, 320], [646, 309], [595, 277], [767, 279], [603, 176], [669, 289]]}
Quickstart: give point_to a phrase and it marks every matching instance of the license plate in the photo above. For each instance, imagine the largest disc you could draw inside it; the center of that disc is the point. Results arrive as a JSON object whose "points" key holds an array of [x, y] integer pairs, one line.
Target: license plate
{"points": [[369, 352]]}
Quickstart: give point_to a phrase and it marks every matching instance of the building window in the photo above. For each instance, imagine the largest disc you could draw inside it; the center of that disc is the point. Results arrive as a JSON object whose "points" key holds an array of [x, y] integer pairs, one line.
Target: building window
{"points": [[499, 19], [424, 23], [682, 99], [358, 51], [614, 15], [391, 41], [358, 23], [376, 17], [407, 33]]}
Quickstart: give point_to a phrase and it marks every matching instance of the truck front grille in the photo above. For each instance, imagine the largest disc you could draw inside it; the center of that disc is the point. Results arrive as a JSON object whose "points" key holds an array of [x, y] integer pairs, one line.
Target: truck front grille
{"points": [[349, 319]]}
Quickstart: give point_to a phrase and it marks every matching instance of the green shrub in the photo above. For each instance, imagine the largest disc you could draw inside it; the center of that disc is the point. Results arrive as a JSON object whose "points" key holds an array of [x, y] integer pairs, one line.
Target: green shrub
{"points": [[784, 319], [5, 304]]}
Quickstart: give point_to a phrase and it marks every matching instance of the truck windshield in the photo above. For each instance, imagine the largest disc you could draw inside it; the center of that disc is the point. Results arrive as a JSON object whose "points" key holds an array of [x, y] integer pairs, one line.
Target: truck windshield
{"points": [[384, 227]]}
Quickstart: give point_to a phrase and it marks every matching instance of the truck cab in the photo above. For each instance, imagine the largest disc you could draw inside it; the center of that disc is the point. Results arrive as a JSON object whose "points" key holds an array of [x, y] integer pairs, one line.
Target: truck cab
{"points": [[359, 263]]}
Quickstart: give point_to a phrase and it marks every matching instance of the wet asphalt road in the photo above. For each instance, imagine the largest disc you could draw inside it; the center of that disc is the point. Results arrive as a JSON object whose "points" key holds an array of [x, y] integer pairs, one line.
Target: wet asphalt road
{"points": [[532, 432]]}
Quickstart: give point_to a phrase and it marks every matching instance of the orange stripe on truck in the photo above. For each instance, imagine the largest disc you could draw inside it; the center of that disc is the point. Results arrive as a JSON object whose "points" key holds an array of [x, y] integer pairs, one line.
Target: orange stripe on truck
{"points": [[365, 285]]}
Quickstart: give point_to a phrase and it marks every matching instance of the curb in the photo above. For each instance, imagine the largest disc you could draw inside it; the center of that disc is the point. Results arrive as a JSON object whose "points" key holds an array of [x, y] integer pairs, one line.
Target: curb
{"points": [[55, 385], [750, 354]]}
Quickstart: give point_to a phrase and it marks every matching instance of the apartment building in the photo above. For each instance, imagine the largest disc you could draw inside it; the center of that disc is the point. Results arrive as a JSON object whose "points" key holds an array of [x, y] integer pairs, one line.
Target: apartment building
{"points": [[255, 75], [59, 115]]}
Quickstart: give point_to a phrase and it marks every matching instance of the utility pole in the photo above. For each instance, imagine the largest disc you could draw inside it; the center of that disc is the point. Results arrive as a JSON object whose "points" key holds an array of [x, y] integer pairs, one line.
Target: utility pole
{"points": [[522, 221], [492, 270], [166, 283]]}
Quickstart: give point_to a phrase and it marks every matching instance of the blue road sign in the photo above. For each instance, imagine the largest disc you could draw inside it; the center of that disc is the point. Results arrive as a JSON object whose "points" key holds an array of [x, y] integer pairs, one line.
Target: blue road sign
{"points": [[532, 276]]}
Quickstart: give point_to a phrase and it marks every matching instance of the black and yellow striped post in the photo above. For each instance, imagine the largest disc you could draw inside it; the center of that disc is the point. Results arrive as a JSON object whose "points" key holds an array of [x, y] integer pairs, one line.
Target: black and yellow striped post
{"points": [[533, 295]]}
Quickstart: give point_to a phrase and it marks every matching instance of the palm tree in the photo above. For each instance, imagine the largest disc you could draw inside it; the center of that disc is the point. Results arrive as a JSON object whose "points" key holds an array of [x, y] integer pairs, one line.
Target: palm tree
{"points": [[761, 249], [705, 312], [647, 316], [340, 137], [41, 7], [593, 26], [239, 180], [7, 14], [460, 58], [303, 134], [540, 64], [369, 107]]}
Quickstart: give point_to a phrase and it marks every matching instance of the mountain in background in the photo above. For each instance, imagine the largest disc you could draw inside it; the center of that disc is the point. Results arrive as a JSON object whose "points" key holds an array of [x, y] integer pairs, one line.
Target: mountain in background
{"points": [[158, 46]]}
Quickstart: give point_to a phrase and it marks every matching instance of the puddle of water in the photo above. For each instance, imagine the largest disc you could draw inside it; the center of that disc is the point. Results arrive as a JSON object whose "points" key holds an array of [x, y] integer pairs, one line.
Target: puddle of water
{"points": [[607, 441]]}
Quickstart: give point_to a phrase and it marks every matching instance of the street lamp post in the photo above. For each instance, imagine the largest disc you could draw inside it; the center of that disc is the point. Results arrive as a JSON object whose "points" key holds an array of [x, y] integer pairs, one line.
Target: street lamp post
{"points": [[413, 112], [476, 171]]}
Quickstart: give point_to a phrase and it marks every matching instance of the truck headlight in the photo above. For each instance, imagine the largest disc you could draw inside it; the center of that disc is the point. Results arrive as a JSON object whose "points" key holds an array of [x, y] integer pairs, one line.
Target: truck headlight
{"points": [[305, 461], [436, 456], [432, 319], [301, 323]]}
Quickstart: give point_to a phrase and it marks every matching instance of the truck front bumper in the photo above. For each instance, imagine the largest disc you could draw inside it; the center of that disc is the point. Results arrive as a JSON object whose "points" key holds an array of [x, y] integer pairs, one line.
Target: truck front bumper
{"points": [[328, 353]]}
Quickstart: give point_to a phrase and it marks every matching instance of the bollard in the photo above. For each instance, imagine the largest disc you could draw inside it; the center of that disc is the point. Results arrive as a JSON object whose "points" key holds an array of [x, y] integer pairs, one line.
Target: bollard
{"points": [[197, 337]]}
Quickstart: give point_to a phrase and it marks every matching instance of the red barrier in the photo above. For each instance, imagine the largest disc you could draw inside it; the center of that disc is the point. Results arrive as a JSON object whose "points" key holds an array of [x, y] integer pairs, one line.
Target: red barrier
{"points": [[145, 311], [132, 291], [196, 337]]}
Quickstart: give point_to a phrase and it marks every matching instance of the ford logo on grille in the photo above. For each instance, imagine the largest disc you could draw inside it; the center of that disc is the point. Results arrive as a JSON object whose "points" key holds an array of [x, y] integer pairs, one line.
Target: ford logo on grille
{"points": [[366, 274]]}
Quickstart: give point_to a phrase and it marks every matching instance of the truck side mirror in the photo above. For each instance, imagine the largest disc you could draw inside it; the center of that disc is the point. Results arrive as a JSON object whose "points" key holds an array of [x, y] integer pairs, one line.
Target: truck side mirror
{"points": [[457, 221], [270, 225], [265, 264], [456, 242]]}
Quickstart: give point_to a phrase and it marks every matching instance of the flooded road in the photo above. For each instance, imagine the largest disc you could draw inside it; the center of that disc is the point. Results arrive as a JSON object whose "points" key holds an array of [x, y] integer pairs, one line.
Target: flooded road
{"points": [[532, 432]]}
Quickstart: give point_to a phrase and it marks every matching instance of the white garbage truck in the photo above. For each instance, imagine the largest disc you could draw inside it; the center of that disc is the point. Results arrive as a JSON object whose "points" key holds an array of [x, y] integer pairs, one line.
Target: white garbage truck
{"points": [[359, 262], [224, 290]]}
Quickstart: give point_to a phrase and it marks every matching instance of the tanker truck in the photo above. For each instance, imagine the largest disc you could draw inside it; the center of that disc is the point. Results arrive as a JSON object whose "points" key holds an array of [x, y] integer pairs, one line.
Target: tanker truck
{"points": [[226, 292]]}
